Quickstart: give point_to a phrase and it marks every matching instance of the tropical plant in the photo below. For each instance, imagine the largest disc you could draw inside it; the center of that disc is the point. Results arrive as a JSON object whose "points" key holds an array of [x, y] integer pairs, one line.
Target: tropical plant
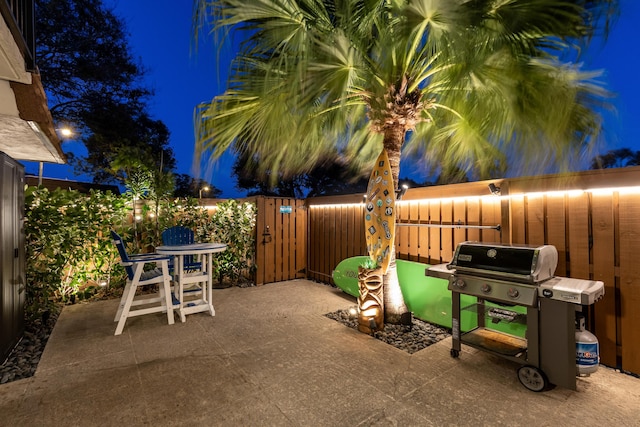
{"points": [[465, 84]]}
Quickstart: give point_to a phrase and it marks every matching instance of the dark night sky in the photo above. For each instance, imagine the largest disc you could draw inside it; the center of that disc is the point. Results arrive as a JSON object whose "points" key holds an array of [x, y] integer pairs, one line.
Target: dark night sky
{"points": [[160, 36]]}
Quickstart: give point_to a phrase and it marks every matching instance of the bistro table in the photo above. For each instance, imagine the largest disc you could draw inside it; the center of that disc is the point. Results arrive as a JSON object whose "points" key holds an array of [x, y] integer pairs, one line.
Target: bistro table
{"points": [[203, 276]]}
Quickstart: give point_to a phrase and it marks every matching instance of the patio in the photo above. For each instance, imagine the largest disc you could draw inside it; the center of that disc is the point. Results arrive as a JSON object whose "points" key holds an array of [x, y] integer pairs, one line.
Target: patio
{"points": [[271, 357]]}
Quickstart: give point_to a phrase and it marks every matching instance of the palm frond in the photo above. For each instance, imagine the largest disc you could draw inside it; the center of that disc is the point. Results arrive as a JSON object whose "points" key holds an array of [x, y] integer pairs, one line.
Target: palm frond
{"points": [[473, 83]]}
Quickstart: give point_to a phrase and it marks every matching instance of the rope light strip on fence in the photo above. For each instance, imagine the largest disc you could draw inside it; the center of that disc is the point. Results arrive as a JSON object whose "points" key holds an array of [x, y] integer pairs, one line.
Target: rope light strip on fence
{"points": [[533, 194], [338, 205], [457, 225], [577, 192]]}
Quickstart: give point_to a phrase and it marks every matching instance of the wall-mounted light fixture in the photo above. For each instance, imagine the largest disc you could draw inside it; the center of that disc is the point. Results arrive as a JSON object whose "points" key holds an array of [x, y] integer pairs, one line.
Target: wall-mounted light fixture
{"points": [[494, 189], [401, 191]]}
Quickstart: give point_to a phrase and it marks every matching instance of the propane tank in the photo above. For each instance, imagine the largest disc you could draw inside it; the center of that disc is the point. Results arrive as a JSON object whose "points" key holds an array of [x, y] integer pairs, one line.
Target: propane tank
{"points": [[587, 349]]}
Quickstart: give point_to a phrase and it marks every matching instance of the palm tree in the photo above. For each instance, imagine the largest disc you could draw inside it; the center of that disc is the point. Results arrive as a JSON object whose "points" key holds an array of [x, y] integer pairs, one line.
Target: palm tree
{"points": [[465, 83]]}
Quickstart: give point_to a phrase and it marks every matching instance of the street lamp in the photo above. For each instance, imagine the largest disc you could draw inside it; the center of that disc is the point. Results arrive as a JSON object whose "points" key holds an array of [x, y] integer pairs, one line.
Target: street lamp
{"points": [[64, 132], [205, 189]]}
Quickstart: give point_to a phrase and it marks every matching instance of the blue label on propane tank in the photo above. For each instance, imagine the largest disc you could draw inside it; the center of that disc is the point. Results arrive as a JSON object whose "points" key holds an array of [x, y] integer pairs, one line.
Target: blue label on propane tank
{"points": [[587, 354]]}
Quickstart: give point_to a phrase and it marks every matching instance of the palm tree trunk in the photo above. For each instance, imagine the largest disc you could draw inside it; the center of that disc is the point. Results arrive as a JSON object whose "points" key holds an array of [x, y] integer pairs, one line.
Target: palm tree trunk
{"points": [[395, 309]]}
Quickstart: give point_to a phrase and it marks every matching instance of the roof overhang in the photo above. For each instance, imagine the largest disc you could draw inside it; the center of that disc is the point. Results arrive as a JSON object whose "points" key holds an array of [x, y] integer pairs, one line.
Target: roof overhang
{"points": [[25, 140], [30, 135]]}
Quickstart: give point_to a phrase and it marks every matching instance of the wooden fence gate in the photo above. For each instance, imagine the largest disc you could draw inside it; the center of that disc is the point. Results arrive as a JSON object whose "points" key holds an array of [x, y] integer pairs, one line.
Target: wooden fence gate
{"points": [[281, 242]]}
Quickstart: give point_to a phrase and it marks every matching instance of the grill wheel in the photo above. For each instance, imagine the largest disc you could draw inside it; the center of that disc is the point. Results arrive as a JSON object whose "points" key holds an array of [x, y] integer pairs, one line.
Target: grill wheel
{"points": [[532, 378]]}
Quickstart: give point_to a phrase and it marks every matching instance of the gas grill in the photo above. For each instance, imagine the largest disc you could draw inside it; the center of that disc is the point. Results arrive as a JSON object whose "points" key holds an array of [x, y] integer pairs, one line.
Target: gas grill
{"points": [[516, 284]]}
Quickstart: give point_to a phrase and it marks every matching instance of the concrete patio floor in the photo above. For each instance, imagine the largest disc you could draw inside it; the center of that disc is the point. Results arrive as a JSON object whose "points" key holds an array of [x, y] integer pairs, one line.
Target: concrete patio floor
{"points": [[270, 357]]}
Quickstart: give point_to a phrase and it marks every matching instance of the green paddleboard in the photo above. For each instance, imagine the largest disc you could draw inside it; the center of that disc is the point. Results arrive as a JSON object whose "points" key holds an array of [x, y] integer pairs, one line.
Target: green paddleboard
{"points": [[426, 297]]}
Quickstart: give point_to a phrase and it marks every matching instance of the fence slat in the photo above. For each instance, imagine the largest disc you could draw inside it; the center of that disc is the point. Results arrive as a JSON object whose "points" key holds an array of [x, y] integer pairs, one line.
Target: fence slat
{"points": [[260, 249], [316, 243], [423, 233], [578, 229], [301, 239], [490, 215], [629, 214], [414, 217], [435, 244], [270, 246], [402, 233], [352, 231], [604, 270], [459, 217], [518, 219], [344, 235], [556, 230], [535, 220], [473, 218], [446, 234], [282, 232]]}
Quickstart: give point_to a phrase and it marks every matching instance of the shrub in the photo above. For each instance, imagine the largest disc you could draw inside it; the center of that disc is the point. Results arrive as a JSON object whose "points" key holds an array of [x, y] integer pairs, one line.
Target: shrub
{"points": [[232, 223], [68, 245]]}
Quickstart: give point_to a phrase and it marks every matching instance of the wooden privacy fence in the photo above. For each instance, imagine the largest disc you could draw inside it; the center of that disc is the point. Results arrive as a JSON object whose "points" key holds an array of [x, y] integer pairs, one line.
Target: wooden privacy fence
{"points": [[592, 218]]}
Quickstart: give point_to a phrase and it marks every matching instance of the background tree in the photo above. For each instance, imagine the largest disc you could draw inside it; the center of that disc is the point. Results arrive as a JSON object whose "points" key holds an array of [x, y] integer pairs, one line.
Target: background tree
{"points": [[94, 84], [187, 186], [118, 129], [329, 177], [334, 177], [246, 167], [467, 82], [616, 159]]}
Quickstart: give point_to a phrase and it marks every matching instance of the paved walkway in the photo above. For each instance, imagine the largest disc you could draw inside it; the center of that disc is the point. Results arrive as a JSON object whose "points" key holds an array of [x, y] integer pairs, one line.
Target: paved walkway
{"points": [[270, 357]]}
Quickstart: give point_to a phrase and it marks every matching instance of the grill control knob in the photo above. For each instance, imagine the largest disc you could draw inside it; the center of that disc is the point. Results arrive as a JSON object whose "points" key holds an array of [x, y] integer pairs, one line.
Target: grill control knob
{"points": [[460, 283], [513, 293], [486, 288]]}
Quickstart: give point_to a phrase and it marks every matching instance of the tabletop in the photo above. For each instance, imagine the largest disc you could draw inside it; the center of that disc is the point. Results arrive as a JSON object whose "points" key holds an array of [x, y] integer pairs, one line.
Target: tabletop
{"points": [[191, 248]]}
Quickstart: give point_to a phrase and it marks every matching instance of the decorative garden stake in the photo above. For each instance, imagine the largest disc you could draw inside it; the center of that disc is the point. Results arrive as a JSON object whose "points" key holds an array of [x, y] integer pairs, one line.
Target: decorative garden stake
{"points": [[380, 221]]}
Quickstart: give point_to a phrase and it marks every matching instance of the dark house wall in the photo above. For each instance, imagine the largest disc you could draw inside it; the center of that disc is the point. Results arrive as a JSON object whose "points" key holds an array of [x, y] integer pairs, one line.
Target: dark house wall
{"points": [[12, 254]]}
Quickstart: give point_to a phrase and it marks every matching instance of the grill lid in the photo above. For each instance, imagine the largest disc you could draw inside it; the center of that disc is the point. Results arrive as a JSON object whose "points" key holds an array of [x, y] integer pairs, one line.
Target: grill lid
{"points": [[531, 264]]}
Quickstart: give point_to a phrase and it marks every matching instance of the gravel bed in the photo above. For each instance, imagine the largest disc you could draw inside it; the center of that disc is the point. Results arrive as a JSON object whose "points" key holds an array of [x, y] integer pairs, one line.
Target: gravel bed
{"points": [[411, 339], [24, 358]]}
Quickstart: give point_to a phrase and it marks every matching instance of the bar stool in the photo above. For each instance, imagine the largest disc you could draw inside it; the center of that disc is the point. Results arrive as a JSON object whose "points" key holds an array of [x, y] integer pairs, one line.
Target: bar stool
{"points": [[137, 277]]}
